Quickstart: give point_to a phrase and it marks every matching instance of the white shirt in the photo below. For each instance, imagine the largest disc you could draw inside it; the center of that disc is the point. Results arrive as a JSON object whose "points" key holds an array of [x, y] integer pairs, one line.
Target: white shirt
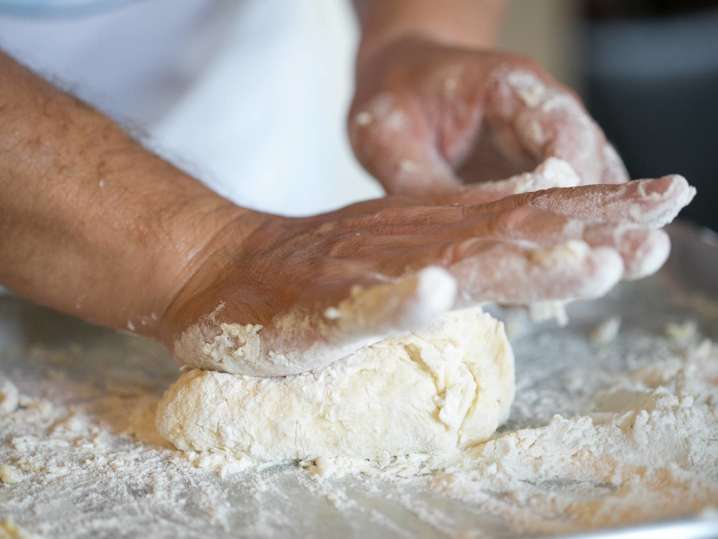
{"points": [[248, 95]]}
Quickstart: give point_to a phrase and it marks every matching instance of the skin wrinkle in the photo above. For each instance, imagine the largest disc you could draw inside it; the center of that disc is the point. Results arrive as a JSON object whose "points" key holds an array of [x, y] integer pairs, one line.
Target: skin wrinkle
{"points": [[227, 257]]}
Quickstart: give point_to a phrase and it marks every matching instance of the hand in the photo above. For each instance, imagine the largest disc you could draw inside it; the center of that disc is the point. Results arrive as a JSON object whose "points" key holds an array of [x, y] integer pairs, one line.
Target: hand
{"points": [[296, 294], [425, 115]]}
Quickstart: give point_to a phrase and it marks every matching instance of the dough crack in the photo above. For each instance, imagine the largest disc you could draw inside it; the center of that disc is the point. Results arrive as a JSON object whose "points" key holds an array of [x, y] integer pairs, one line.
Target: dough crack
{"points": [[414, 353], [470, 412]]}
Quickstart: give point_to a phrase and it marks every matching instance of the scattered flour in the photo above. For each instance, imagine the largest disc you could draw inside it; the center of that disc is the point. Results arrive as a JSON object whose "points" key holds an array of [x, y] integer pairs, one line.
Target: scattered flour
{"points": [[606, 332], [549, 310], [10, 474], [8, 396], [685, 331], [598, 436], [649, 448]]}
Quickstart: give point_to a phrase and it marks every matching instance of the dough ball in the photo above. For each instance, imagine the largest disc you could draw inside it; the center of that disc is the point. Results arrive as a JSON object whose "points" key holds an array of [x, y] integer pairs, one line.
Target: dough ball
{"points": [[438, 390]]}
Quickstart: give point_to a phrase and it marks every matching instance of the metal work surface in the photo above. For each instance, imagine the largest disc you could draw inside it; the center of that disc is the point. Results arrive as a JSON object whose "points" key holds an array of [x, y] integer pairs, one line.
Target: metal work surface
{"points": [[88, 471]]}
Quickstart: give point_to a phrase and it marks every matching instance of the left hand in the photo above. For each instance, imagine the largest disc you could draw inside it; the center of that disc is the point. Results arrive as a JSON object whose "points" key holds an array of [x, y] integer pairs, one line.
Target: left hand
{"points": [[426, 115]]}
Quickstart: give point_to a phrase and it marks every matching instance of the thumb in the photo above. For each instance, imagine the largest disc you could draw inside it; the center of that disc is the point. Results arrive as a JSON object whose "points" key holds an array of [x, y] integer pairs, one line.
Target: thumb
{"points": [[393, 141]]}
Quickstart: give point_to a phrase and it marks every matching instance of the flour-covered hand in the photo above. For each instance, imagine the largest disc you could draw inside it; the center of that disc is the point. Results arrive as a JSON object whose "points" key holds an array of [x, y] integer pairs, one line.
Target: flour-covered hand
{"points": [[427, 117], [275, 295]]}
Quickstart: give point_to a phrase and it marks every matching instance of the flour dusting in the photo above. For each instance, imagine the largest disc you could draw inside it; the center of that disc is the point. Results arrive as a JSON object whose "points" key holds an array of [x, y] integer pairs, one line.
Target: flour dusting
{"points": [[300, 341], [602, 432]]}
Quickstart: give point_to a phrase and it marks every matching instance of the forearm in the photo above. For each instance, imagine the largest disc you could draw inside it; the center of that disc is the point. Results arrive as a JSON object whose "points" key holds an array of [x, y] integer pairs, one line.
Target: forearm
{"points": [[463, 23], [90, 222]]}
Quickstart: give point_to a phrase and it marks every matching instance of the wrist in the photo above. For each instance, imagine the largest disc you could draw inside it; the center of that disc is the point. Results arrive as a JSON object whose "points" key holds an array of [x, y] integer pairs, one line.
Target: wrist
{"points": [[378, 50], [209, 236], [456, 23]]}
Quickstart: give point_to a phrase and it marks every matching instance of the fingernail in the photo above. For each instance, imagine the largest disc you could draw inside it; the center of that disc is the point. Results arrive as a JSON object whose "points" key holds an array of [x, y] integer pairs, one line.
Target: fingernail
{"points": [[652, 188]]}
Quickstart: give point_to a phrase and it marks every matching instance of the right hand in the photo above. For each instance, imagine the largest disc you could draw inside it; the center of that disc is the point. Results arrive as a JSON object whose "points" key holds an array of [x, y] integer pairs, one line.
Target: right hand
{"points": [[298, 277]]}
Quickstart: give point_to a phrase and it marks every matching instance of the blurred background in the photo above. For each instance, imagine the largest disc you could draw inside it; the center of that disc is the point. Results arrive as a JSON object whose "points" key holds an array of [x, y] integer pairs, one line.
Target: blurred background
{"points": [[648, 72]]}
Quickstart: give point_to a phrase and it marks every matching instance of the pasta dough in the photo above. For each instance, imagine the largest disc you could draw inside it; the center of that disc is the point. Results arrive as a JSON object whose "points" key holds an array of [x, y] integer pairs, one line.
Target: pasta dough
{"points": [[438, 391]]}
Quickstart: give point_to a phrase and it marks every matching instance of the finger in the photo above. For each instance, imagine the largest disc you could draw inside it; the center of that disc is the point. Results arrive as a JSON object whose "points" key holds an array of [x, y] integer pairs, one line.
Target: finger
{"points": [[410, 301], [643, 251], [432, 232], [395, 144], [551, 173], [536, 117], [650, 203], [518, 275]]}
